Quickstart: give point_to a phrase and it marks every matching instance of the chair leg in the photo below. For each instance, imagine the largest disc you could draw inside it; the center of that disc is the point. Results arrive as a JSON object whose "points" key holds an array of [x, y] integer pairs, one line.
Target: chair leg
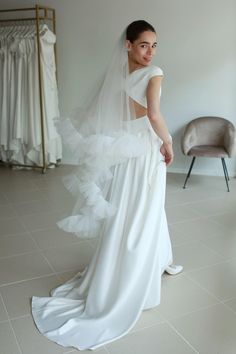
{"points": [[189, 172], [225, 172]]}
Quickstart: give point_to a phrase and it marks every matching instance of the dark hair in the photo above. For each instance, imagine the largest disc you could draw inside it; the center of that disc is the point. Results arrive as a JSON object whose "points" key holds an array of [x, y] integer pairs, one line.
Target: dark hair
{"points": [[136, 28]]}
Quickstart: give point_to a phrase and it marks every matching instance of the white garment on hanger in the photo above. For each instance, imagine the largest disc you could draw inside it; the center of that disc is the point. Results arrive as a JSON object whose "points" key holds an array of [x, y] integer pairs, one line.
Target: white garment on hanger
{"points": [[20, 121], [50, 98]]}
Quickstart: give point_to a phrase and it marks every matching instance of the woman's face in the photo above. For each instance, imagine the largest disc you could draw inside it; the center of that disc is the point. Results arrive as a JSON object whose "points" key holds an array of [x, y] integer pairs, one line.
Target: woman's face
{"points": [[142, 50]]}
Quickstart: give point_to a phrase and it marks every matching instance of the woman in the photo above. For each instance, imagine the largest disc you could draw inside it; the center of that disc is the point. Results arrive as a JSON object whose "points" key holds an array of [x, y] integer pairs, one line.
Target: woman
{"points": [[124, 146]]}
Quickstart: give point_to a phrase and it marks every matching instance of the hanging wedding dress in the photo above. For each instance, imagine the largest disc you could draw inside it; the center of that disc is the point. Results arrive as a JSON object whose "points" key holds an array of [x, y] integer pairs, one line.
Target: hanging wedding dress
{"points": [[20, 120], [121, 187]]}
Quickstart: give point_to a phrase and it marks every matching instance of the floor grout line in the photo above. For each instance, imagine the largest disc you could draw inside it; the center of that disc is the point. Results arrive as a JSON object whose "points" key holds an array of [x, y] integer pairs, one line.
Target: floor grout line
{"points": [[19, 254], [182, 337], [10, 324], [208, 266], [194, 311], [228, 307], [28, 279], [50, 265], [212, 219]]}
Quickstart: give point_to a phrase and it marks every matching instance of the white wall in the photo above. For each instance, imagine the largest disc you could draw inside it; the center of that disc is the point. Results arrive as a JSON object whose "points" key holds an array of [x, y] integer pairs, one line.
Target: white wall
{"points": [[197, 52]]}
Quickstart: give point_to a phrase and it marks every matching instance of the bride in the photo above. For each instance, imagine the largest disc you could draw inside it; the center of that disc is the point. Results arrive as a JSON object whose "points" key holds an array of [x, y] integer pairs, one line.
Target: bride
{"points": [[121, 147]]}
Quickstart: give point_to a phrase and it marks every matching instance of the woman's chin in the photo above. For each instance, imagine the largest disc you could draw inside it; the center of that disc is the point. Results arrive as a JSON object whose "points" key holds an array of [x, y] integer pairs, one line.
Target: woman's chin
{"points": [[147, 62]]}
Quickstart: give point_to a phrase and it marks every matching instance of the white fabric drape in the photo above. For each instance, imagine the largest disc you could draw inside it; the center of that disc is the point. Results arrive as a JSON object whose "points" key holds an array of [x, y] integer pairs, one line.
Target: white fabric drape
{"points": [[126, 210], [20, 124], [124, 277], [119, 187]]}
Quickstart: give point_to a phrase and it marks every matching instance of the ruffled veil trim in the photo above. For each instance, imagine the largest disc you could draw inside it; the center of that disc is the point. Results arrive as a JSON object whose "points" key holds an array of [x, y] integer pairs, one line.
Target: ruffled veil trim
{"points": [[95, 156], [99, 138]]}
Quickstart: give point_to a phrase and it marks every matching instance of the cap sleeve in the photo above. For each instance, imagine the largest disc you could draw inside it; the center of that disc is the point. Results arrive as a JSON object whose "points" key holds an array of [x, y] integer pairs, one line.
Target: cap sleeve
{"points": [[156, 71]]}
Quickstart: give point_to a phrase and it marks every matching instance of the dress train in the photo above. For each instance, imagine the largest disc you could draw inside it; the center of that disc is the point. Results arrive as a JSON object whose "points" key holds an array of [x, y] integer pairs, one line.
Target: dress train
{"points": [[104, 302]]}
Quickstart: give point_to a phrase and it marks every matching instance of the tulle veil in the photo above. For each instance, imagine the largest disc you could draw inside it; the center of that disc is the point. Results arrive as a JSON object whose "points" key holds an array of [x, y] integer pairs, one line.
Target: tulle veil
{"points": [[99, 137]]}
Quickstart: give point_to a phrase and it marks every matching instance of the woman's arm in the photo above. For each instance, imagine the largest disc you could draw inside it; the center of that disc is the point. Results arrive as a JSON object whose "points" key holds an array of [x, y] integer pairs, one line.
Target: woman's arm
{"points": [[156, 119]]}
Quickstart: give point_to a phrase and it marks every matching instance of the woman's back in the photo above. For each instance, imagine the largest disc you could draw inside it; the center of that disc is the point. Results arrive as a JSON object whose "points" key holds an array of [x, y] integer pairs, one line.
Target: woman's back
{"points": [[136, 86]]}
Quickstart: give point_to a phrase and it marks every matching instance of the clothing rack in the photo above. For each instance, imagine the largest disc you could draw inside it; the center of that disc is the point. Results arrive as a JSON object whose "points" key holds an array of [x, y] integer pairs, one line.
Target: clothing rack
{"points": [[40, 13]]}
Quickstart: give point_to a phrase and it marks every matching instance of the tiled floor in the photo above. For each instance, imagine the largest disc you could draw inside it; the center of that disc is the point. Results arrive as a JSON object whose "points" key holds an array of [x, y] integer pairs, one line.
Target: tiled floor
{"points": [[198, 309]]}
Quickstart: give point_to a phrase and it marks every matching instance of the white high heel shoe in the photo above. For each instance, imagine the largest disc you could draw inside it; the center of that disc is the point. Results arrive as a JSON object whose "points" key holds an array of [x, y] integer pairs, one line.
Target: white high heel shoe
{"points": [[174, 269]]}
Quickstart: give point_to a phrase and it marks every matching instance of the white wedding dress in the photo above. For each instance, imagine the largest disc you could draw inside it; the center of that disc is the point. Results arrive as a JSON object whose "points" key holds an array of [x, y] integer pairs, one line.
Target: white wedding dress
{"points": [[105, 301]]}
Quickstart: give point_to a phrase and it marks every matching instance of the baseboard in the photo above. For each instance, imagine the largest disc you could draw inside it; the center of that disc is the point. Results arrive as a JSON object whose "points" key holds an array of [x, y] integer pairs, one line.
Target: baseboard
{"points": [[171, 169], [200, 172]]}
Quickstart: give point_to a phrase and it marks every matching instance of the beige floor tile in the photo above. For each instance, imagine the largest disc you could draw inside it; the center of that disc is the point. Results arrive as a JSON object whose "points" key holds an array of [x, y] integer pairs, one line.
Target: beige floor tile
{"points": [[58, 196], [180, 295], [17, 183], [9, 175], [15, 244], [195, 255], [228, 219], [65, 204], [31, 340], [7, 340], [11, 227], [174, 182], [224, 244], [49, 182], [23, 267], [195, 230], [17, 297], [148, 318], [171, 189], [53, 237], [161, 339], [41, 221], [3, 200], [174, 177], [210, 331], [232, 304], [74, 256], [223, 227], [214, 206], [7, 212], [19, 196], [201, 240], [33, 207], [189, 197], [218, 279], [180, 213], [3, 313], [66, 275]]}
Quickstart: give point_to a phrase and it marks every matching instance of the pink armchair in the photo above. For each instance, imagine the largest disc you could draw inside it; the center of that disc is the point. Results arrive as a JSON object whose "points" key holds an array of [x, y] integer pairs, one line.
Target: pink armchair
{"points": [[209, 137]]}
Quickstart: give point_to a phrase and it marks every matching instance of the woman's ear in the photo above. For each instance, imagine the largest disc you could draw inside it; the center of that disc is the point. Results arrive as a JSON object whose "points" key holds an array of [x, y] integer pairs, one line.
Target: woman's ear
{"points": [[128, 45]]}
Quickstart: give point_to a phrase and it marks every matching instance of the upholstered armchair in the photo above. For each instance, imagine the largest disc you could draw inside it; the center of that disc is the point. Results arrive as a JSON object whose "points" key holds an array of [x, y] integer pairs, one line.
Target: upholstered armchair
{"points": [[209, 137]]}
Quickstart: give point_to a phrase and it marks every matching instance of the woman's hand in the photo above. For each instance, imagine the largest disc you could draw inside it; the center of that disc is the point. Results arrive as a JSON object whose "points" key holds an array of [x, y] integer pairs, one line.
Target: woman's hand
{"points": [[167, 151]]}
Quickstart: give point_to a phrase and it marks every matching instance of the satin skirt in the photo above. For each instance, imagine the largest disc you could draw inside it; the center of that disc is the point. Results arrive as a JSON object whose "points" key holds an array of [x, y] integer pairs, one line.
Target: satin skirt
{"points": [[104, 302]]}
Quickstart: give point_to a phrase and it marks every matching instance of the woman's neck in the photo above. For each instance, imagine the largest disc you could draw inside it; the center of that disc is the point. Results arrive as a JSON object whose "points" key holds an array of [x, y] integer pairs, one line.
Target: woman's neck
{"points": [[134, 66]]}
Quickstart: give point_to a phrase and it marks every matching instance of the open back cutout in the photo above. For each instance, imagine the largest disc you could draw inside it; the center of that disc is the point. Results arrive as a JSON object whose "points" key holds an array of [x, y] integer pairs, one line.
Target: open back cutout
{"points": [[137, 108]]}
